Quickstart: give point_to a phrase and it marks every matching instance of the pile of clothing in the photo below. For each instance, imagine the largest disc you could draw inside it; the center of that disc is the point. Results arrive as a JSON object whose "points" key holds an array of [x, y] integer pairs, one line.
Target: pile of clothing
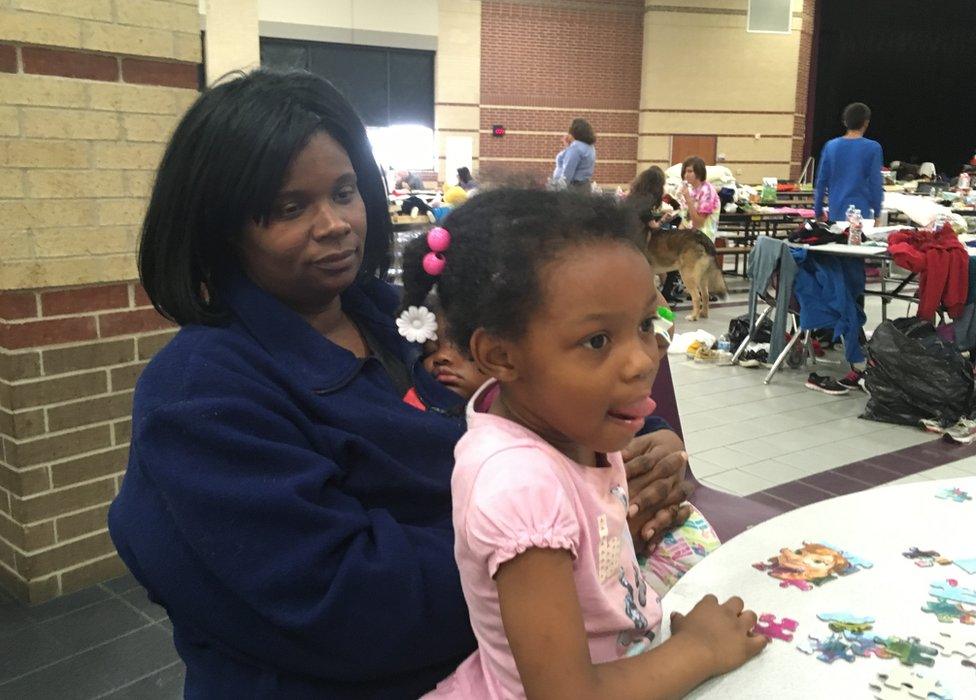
{"points": [[942, 265]]}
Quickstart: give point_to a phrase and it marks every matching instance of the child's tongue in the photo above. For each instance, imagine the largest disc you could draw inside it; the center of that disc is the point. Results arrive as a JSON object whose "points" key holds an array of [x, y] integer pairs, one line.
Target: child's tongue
{"points": [[638, 409]]}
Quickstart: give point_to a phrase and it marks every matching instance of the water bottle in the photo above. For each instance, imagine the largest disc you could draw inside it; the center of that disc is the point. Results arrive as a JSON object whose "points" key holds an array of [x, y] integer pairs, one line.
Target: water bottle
{"points": [[854, 232], [850, 214], [963, 183]]}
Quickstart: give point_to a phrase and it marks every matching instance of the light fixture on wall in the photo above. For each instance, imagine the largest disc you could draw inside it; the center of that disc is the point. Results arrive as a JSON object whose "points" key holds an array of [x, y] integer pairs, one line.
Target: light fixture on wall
{"points": [[769, 17]]}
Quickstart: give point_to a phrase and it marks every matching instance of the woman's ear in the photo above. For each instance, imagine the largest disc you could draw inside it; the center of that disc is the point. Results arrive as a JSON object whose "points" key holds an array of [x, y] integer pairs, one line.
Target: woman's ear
{"points": [[493, 356]]}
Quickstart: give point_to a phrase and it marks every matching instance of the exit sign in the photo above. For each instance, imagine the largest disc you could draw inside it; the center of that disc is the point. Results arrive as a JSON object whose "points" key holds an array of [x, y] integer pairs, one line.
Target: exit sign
{"points": [[498, 130]]}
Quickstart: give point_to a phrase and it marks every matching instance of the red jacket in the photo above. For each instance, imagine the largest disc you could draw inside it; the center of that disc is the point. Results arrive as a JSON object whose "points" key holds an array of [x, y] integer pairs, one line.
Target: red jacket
{"points": [[942, 264]]}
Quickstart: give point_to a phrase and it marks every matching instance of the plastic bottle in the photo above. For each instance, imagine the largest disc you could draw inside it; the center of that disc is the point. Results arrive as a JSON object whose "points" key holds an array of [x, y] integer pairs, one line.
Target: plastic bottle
{"points": [[963, 183], [854, 233], [850, 214]]}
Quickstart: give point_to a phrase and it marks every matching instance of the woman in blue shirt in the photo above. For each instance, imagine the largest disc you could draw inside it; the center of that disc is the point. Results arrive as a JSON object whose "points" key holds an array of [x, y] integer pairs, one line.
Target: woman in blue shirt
{"points": [[850, 169], [283, 503], [579, 158]]}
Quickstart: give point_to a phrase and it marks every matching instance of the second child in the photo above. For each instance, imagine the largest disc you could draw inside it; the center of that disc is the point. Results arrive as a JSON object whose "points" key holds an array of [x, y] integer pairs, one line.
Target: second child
{"points": [[554, 300]]}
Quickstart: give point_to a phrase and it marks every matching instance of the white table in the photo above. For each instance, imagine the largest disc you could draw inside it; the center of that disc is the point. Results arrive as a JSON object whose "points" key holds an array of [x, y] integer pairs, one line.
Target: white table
{"points": [[877, 525]]}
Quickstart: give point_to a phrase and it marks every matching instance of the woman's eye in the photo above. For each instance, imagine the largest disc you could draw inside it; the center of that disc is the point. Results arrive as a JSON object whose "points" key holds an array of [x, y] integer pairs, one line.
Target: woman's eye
{"points": [[288, 210], [345, 195], [597, 342], [647, 325]]}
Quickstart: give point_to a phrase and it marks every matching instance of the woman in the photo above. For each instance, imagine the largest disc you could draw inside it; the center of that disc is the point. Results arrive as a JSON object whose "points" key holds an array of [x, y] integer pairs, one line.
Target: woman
{"points": [[647, 195], [580, 156], [465, 181], [699, 197], [283, 503]]}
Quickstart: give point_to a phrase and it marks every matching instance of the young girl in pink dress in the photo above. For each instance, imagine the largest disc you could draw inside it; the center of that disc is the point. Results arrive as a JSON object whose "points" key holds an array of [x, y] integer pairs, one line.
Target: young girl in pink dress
{"points": [[555, 302]]}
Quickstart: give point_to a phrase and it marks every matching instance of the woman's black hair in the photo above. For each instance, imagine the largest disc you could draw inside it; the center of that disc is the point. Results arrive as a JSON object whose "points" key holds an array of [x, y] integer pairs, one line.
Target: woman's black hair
{"points": [[224, 167], [464, 174], [856, 115], [697, 165], [581, 130], [499, 241], [649, 185]]}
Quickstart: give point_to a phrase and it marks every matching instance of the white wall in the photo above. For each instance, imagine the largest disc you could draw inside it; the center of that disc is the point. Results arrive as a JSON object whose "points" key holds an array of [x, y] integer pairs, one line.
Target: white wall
{"points": [[351, 21]]}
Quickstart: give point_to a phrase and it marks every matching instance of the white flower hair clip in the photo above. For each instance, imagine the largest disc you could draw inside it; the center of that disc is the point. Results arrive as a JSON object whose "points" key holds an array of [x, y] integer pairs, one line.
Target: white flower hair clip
{"points": [[417, 324]]}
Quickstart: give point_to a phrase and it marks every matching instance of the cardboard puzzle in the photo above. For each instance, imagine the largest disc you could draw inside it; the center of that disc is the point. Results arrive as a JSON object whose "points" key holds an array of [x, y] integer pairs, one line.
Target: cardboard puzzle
{"points": [[846, 622], [946, 611], [955, 494], [952, 641], [828, 650], [813, 564], [909, 651], [926, 558], [902, 684], [949, 589], [771, 628]]}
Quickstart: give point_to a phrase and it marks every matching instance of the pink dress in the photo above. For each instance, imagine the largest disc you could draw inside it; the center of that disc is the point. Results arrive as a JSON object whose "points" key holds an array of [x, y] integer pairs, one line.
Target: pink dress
{"points": [[513, 491]]}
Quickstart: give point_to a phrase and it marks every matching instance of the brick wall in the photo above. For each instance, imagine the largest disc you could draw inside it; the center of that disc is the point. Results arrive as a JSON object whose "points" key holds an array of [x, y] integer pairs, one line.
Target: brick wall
{"points": [[544, 63], [89, 92], [804, 71]]}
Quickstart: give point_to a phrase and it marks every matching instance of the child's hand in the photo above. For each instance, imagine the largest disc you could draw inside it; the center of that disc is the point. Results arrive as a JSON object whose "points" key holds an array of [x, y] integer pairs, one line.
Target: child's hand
{"points": [[721, 631]]}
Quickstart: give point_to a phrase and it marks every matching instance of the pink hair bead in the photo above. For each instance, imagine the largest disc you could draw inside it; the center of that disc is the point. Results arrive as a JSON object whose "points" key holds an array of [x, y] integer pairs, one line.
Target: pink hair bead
{"points": [[434, 263], [438, 239]]}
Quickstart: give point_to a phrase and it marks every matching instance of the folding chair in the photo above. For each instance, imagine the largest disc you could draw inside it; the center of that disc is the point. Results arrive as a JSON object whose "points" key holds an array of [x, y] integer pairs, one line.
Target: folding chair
{"points": [[783, 303]]}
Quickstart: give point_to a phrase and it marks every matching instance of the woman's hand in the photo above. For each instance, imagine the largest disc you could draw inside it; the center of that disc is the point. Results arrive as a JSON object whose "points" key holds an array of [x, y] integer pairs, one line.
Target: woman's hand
{"points": [[656, 465]]}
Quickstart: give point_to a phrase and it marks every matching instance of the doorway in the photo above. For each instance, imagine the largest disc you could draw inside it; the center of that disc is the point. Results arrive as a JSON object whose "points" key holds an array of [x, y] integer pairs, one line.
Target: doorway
{"points": [[688, 145]]}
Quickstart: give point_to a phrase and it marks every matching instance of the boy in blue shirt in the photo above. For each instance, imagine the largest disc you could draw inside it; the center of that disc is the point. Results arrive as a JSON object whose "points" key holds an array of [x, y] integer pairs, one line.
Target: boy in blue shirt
{"points": [[850, 169]]}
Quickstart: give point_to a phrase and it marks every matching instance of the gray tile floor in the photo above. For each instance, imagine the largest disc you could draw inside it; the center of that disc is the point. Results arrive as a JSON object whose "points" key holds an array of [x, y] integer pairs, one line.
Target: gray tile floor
{"points": [[109, 641], [104, 641]]}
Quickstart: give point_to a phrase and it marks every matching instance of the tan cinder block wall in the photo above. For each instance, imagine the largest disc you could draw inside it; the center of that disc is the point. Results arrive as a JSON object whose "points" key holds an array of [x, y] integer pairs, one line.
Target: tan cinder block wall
{"points": [[703, 73], [89, 92], [457, 76]]}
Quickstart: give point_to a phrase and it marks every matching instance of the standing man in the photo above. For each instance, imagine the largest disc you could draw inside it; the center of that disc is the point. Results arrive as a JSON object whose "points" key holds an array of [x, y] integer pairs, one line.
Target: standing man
{"points": [[850, 169]]}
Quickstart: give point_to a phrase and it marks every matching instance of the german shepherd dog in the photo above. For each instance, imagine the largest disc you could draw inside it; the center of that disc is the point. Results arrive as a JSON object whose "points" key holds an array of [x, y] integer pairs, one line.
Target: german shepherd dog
{"points": [[693, 255]]}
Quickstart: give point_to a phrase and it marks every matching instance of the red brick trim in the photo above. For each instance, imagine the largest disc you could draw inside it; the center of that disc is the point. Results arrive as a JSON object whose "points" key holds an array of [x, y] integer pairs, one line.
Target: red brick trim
{"points": [[17, 305], [128, 322], [716, 111], [169, 73], [74, 314], [69, 64], [82, 299], [739, 135], [16, 336], [93, 65], [8, 59]]}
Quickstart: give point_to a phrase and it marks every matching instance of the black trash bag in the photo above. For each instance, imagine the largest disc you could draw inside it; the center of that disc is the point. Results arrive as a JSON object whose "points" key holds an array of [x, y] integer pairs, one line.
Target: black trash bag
{"points": [[739, 329], [913, 375]]}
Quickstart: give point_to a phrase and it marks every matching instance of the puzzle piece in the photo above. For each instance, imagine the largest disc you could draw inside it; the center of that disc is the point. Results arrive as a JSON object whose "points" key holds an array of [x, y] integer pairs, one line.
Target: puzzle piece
{"points": [[902, 683], [952, 642], [846, 622], [967, 565], [771, 628], [855, 561], [909, 651], [945, 611], [925, 558], [956, 494], [828, 650], [864, 646], [947, 591]]}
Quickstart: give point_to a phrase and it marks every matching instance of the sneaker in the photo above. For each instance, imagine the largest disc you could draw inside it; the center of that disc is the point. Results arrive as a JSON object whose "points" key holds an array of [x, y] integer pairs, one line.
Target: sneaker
{"points": [[827, 385], [748, 359], [762, 357], [852, 380]]}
